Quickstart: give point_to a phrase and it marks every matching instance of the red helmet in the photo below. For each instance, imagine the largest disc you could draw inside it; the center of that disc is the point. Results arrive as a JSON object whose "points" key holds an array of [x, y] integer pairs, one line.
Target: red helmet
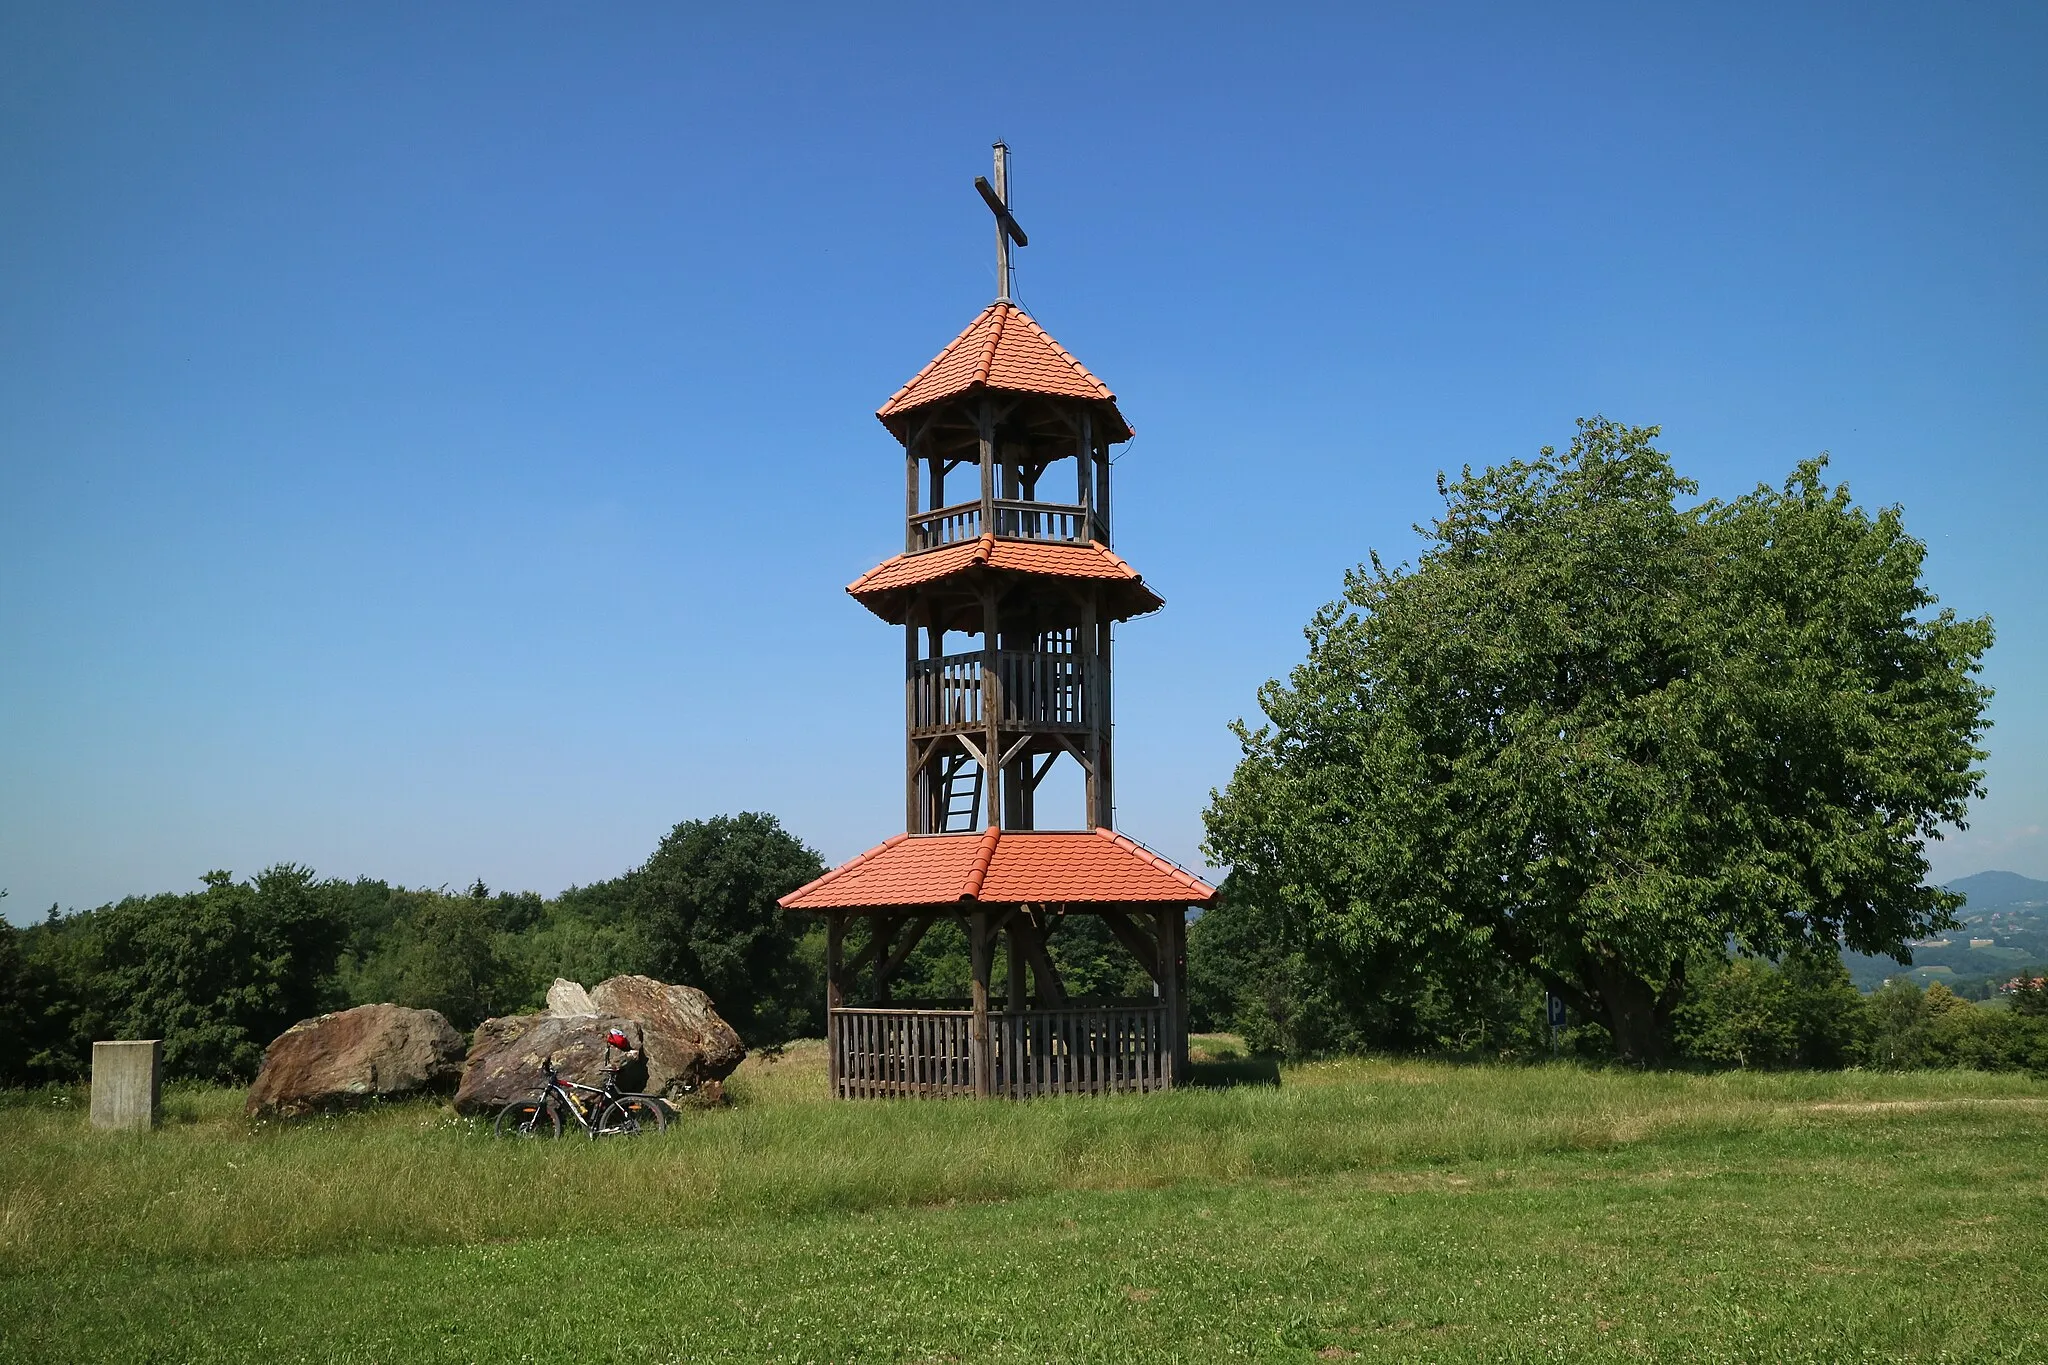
{"points": [[617, 1040]]}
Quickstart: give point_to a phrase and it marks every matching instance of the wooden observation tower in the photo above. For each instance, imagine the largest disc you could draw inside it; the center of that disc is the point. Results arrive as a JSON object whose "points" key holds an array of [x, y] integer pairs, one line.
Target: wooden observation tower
{"points": [[1033, 586]]}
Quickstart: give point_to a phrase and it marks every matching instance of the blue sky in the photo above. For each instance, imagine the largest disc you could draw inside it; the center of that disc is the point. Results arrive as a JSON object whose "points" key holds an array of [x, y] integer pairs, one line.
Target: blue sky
{"points": [[433, 440]]}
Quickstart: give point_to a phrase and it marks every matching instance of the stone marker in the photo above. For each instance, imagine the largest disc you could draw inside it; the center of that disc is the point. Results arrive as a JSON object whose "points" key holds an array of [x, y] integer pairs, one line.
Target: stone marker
{"points": [[127, 1084]]}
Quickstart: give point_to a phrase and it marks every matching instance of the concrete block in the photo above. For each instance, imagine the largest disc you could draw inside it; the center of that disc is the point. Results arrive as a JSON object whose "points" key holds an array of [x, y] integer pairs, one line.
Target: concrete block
{"points": [[127, 1084]]}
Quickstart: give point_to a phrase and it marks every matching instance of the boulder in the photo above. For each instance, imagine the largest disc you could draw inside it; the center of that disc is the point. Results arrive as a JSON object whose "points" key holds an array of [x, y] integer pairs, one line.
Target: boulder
{"points": [[339, 1061], [690, 1050], [568, 999], [505, 1058]]}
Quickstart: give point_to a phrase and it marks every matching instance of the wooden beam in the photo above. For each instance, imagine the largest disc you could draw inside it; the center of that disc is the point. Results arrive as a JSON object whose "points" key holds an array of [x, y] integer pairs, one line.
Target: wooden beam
{"points": [[893, 963], [1135, 937], [881, 928], [1051, 990]]}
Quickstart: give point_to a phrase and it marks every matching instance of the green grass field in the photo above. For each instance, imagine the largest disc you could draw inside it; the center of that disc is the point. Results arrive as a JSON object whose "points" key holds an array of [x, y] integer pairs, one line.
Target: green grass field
{"points": [[1360, 1209]]}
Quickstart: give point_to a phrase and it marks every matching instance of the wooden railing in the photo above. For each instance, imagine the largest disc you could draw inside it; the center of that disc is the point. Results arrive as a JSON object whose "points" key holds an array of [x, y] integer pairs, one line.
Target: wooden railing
{"points": [[1040, 691], [903, 1054], [1043, 691], [1081, 1051], [1019, 520], [1013, 519], [931, 1053], [945, 694], [947, 525]]}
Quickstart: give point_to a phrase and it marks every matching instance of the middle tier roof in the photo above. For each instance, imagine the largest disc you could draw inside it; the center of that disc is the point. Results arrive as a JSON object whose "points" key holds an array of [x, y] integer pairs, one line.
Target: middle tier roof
{"points": [[887, 588]]}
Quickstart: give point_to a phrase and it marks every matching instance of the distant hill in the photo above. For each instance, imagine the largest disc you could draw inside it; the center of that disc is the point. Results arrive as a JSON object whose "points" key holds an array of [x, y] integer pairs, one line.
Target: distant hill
{"points": [[2005, 928], [1993, 890]]}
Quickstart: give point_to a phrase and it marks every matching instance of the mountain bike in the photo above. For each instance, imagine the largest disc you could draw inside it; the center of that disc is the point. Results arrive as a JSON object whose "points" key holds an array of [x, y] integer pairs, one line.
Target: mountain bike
{"points": [[599, 1110]]}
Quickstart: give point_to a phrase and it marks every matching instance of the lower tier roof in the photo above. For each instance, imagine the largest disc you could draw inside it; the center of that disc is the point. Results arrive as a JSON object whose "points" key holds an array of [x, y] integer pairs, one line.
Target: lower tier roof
{"points": [[1002, 867]]}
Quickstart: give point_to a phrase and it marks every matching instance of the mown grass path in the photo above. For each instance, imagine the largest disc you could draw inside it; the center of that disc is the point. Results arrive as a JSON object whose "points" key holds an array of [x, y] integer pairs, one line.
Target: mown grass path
{"points": [[1394, 1211]]}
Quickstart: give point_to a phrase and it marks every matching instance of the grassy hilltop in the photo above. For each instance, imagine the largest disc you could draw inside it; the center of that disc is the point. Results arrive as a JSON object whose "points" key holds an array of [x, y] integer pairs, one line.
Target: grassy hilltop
{"points": [[1387, 1210]]}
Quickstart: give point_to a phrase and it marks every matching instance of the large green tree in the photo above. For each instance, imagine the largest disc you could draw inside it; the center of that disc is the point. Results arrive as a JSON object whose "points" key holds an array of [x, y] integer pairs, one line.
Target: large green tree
{"points": [[1604, 734], [707, 901]]}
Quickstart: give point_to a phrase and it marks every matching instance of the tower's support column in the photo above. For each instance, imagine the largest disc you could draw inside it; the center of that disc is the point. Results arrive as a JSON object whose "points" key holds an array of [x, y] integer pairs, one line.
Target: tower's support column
{"points": [[835, 998], [981, 954], [992, 712], [1171, 924]]}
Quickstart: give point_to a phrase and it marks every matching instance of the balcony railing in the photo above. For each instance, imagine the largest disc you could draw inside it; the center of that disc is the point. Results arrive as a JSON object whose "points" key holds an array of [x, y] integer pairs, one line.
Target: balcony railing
{"points": [[1012, 519], [1039, 692], [946, 526]]}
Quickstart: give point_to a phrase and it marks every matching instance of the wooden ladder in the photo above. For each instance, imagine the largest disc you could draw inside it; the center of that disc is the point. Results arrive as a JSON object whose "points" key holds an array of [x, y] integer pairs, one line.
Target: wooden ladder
{"points": [[961, 808]]}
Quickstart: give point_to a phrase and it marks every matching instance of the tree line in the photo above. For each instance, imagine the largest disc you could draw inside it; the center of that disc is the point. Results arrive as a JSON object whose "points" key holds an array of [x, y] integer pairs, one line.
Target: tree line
{"points": [[1250, 975], [219, 972]]}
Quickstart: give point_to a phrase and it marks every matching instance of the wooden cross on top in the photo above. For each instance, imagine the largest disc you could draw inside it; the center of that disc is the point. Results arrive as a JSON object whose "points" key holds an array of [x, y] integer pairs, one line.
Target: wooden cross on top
{"points": [[997, 197]]}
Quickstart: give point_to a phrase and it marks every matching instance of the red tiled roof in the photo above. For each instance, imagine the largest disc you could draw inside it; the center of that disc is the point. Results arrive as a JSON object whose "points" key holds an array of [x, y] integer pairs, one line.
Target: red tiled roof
{"points": [[875, 588], [1002, 867], [1001, 349], [1092, 560]]}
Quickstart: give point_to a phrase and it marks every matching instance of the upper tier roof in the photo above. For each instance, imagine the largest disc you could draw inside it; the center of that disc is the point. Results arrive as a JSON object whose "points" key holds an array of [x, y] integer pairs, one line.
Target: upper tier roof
{"points": [[1002, 867], [1001, 349]]}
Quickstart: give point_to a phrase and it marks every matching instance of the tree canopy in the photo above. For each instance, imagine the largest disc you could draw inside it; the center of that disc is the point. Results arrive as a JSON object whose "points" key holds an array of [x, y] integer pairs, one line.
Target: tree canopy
{"points": [[708, 900], [1604, 735]]}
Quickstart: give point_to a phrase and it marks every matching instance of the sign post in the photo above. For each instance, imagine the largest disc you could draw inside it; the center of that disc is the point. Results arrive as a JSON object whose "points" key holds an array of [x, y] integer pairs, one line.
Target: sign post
{"points": [[1556, 1012]]}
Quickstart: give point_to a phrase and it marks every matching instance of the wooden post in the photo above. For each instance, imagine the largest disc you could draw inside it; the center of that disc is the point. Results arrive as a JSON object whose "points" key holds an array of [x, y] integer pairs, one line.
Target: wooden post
{"points": [[1105, 730], [991, 711], [1016, 945], [835, 998], [910, 509], [981, 954], [1180, 988], [1172, 923], [912, 788], [985, 422], [1162, 937], [1091, 698], [1084, 493], [1102, 489]]}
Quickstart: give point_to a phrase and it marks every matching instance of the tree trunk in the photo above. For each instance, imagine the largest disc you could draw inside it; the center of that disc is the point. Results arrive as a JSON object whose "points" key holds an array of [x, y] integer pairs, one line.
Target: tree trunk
{"points": [[1635, 1014]]}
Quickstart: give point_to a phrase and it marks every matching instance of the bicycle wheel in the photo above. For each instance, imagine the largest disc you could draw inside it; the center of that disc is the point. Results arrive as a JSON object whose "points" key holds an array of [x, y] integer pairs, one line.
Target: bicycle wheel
{"points": [[630, 1115], [528, 1119]]}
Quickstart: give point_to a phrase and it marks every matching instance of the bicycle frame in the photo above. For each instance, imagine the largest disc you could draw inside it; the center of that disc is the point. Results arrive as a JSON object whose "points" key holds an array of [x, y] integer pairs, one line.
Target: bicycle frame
{"points": [[559, 1095]]}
